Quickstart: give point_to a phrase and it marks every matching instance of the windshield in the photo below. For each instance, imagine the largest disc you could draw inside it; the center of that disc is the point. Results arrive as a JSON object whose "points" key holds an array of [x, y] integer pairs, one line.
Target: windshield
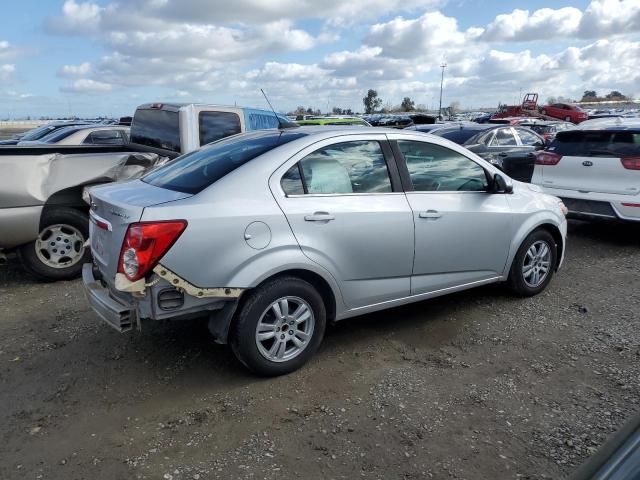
{"points": [[195, 171]]}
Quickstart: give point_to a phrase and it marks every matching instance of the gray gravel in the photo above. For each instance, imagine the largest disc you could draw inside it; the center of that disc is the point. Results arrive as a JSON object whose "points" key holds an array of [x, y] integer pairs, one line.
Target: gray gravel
{"points": [[473, 385]]}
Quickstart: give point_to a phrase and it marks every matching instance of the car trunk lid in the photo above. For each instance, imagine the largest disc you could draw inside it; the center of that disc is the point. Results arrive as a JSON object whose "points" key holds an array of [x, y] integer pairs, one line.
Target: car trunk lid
{"points": [[113, 208], [592, 161]]}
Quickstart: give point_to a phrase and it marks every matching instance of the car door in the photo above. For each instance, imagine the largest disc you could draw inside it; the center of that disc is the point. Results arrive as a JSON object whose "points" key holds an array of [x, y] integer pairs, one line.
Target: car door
{"points": [[519, 163], [462, 232], [345, 205]]}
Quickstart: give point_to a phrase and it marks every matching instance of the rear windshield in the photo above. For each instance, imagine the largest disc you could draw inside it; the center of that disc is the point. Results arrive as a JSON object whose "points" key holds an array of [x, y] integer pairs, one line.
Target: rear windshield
{"points": [[39, 132], [60, 134], [195, 171], [457, 135], [156, 128], [580, 143]]}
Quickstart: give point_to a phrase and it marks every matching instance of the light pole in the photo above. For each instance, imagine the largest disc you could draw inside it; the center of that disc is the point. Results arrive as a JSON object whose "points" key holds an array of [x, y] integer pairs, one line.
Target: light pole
{"points": [[443, 66]]}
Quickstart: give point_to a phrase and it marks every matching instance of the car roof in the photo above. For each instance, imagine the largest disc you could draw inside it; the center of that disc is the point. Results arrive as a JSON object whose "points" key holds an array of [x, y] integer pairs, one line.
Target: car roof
{"points": [[610, 124]]}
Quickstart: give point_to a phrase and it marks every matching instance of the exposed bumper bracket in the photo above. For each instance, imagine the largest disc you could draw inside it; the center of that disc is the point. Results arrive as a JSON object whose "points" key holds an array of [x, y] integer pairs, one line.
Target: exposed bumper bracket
{"points": [[178, 282]]}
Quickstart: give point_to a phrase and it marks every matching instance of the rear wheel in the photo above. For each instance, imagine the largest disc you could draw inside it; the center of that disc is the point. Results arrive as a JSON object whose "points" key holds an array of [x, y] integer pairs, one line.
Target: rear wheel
{"points": [[543, 112], [59, 252], [279, 326], [534, 264], [567, 119]]}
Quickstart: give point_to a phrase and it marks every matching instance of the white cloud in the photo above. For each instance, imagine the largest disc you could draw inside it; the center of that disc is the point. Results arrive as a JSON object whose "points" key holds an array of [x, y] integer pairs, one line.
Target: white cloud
{"points": [[6, 71], [422, 36], [522, 26], [77, 18], [601, 18], [86, 85], [81, 70], [610, 17], [256, 11]]}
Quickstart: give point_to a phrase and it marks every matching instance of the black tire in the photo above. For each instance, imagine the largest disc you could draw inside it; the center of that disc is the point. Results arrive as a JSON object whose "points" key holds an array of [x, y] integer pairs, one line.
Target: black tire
{"points": [[567, 119], [516, 281], [242, 336], [57, 216], [543, 112]]}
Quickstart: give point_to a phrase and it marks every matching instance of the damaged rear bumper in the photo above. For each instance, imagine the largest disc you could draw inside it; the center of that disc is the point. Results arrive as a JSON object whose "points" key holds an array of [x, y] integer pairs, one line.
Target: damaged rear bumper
{"points": [[114, 313], [166, 296]]}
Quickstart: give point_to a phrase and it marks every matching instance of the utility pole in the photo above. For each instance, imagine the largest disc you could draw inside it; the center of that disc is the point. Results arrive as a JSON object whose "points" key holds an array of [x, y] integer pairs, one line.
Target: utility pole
{"points": [[443, 66]]}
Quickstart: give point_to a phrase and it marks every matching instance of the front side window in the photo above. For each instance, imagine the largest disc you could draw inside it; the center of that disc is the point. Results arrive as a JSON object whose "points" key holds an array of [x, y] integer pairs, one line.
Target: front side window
{"points": [[349, 167], [433, 168], [504, 137], [217, 125]]}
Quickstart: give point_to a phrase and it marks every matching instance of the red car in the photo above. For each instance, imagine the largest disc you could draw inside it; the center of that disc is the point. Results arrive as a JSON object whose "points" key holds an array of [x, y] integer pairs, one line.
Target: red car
{"points": [[564, 111]]}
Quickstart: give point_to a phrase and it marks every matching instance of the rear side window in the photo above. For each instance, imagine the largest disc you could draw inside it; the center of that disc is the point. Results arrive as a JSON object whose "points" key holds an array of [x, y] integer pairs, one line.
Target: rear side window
{"points": [[528, 138], [156, 128], [197, 170], [217, 125], [347, 167], [259, 121], [579, 143]]}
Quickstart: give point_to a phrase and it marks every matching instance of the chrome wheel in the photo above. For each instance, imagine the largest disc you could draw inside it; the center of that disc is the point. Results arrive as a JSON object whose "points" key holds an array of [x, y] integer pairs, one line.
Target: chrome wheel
{"points": [[60, 246], [285, 329], [537, 263]]}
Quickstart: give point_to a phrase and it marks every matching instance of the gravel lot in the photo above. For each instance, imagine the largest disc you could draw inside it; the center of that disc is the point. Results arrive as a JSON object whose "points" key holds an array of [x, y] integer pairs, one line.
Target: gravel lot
{"points": [[473, 385]]}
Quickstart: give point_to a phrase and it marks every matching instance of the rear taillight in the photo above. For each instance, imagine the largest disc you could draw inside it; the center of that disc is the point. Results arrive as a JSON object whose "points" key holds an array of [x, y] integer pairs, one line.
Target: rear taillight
{"points": [[547, 158], [631, 163], [144, 245]]}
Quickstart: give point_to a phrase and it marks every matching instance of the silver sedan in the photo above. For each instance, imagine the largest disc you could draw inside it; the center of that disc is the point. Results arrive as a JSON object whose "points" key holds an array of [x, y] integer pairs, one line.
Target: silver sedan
{"points": [[273, 234]]}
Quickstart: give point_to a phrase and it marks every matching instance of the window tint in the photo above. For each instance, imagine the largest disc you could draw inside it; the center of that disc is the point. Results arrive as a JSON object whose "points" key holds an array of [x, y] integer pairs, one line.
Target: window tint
{"points": [[433, 168], [292, 181], [105, 137], [528, 138], [349, 167], [260, 121], [195, 171], [579, 143], [504, 137], [217, 125], [156, 128], [458, 135]]}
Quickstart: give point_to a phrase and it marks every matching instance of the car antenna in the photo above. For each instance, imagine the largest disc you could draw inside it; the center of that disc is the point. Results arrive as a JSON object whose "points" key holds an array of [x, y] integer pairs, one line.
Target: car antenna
{"points": [[281, 124]]}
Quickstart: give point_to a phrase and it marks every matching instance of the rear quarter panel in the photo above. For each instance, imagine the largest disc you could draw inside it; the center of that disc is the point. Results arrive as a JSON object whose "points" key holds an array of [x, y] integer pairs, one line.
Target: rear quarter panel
{"points": [[212, 252]]}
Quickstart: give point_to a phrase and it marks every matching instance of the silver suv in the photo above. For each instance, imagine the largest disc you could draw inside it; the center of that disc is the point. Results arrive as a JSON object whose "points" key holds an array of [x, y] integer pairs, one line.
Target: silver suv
{"points": [[274, 233]]}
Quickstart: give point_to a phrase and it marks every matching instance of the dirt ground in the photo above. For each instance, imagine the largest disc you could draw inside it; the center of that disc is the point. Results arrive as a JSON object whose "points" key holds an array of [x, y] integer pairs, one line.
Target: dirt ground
{"points": [[471, 386]]}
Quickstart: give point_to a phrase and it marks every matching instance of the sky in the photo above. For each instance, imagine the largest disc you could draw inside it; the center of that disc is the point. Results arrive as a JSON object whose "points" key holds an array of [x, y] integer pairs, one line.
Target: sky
{"points": [[105, 57]]}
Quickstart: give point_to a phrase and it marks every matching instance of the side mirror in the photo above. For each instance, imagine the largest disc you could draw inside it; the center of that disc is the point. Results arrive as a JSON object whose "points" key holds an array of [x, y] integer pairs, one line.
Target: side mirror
{"points": [[501, 184]]}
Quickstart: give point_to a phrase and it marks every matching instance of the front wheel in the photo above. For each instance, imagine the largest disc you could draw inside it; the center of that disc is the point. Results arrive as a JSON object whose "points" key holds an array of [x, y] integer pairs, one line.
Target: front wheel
{"points": [[59, 252], [543, 112], [279, 326], [567, 119], [534, 264]]}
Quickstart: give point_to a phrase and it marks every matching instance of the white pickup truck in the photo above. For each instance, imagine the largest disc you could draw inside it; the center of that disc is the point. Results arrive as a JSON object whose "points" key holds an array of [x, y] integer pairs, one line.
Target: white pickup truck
{"points": [[42, 214]]}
